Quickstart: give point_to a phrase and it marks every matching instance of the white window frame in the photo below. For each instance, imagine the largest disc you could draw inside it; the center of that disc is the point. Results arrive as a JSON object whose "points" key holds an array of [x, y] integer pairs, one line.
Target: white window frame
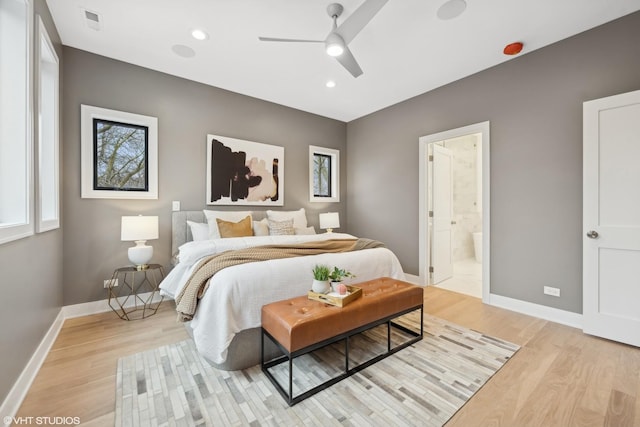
{"points": [[10, 231], [48, 217], [335, 174]]}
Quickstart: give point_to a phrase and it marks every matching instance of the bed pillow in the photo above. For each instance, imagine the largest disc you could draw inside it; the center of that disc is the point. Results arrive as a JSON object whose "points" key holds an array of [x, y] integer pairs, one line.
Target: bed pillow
{"points": [[281, 228], [233, 216], [199, 230], [261, 228], [235, 229], [299, 217], [305, 231]]}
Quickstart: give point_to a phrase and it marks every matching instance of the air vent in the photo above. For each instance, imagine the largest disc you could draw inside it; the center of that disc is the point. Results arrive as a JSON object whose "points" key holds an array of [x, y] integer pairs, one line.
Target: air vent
{"points": [[92, 19], [92, 16]]}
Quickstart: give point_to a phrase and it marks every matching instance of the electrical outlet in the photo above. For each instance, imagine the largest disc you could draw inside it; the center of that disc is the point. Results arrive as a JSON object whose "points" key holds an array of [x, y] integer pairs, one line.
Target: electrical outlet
{"points": [[106, 283], [548, 290]]}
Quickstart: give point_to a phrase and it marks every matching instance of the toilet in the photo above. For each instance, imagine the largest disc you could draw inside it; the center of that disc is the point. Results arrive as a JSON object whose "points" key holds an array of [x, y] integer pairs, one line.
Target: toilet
{"points": [[477, 246]]}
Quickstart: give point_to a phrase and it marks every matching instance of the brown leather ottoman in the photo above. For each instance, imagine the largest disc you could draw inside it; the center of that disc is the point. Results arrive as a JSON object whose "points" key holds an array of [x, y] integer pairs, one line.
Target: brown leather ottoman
{"points": [[300, 325]]}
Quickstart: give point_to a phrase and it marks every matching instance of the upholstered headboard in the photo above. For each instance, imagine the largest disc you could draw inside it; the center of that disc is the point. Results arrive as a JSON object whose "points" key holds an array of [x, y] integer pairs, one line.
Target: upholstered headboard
{"points": [[181, 233]]}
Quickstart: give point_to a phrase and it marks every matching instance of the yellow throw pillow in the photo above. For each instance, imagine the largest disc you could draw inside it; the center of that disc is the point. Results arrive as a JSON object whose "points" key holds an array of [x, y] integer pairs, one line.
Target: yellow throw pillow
{"points": [[235, 229]]}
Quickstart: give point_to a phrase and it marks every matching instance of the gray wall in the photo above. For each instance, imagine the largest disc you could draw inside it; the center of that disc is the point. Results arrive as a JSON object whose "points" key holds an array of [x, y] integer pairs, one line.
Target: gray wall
{"points": [[30, 280], [186, 112], [534, 103]]}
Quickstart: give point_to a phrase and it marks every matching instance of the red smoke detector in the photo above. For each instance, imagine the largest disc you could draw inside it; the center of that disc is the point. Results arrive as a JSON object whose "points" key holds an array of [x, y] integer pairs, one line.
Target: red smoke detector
{"points": [[513, 48]]}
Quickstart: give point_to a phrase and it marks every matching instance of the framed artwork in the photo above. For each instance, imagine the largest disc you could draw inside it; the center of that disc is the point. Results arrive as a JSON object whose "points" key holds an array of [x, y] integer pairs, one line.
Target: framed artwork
{"points": [[324, 174], [242, 172], [119, 154]]}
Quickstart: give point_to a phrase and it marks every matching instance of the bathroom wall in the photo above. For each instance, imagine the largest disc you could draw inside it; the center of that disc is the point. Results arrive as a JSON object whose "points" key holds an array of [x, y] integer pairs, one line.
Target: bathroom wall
{"points": [[465, 194]]}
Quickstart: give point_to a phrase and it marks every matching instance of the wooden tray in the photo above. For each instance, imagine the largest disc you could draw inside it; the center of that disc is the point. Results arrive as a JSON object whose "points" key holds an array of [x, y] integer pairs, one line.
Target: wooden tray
{"points": [[354, 293]]}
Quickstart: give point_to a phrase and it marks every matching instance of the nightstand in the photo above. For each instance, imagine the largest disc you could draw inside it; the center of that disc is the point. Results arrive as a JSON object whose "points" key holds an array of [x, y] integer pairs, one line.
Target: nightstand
{"points": [[136, 294]]}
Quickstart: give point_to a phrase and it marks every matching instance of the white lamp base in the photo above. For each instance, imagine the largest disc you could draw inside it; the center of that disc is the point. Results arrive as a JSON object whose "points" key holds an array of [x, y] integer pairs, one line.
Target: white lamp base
{"points": [[140, 254]]}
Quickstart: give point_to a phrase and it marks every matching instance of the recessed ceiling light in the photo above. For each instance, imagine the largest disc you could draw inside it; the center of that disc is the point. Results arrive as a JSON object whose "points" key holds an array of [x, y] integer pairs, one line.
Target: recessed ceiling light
{"points": [[199, 34], [452, 9], [183, 51], [330, 83]]}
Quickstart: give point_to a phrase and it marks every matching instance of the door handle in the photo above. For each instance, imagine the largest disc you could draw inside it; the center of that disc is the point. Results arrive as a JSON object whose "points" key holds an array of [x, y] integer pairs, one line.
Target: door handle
{"points": [[592, 234]]}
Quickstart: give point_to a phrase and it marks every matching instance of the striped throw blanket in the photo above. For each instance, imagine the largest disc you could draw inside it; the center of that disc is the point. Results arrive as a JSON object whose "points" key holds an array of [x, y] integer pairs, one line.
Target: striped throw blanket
{"points": [[196, 286]]}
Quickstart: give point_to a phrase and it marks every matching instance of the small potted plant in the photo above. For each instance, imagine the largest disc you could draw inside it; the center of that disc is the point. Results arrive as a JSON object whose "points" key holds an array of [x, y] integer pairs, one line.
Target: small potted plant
{"points": [[320, 279], [337, 275]]}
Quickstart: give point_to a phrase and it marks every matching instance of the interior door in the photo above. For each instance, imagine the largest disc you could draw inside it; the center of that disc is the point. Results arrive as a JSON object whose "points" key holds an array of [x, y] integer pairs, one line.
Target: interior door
{"points": [[442, 250], [611, 218]]}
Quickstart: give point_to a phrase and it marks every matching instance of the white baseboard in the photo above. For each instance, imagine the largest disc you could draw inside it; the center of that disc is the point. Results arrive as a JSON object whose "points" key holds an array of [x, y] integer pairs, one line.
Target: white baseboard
{"points": [[95, 307], [542, 311], [12, 402], [16, 395]]}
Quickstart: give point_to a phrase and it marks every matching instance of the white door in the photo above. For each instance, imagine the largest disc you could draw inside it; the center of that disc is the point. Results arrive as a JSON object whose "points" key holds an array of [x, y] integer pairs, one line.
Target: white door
{"points": [[442, 250], [611, 218]]}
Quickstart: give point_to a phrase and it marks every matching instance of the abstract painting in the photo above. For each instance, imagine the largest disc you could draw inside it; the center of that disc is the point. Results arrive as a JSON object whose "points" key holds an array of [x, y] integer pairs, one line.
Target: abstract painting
{"points": [[242, 172]]}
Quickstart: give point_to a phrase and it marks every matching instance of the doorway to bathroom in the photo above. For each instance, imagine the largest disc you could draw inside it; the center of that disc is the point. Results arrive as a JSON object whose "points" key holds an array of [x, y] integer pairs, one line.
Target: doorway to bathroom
{"points": [[454, 210]]}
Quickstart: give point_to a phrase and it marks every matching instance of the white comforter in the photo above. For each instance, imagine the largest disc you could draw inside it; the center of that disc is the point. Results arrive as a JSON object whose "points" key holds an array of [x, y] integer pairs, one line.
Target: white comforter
{"points": [[236, 294]]}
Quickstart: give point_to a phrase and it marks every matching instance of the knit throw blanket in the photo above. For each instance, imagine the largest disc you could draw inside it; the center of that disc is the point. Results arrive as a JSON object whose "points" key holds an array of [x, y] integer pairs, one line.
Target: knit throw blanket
{"points": [[187, 299]]}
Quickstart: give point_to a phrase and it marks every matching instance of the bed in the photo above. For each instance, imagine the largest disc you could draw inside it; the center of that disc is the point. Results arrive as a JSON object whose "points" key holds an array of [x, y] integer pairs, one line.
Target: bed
{"points": [[226, 323]]}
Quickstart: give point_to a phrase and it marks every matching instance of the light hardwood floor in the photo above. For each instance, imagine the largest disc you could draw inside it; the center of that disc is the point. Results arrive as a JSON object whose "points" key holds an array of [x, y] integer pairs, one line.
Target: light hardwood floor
{"points": [[560, 377]]}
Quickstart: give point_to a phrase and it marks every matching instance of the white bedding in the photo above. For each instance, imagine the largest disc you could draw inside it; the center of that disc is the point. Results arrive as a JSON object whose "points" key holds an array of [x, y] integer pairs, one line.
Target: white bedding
{"points": [[236, 294]]}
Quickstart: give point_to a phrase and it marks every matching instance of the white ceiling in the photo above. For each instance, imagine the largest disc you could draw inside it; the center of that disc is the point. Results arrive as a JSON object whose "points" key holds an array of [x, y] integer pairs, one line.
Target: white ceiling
{"points": [[405, 50]]}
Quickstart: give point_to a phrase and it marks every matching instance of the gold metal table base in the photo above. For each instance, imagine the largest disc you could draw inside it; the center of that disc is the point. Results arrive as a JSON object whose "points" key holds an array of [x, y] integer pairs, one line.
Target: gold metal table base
{"points": [[133, 298]]}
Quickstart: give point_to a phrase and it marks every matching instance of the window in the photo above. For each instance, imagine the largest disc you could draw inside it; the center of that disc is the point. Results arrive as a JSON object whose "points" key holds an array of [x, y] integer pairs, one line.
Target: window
{"points": [[48, 211], [16, 205], [324, 173]]}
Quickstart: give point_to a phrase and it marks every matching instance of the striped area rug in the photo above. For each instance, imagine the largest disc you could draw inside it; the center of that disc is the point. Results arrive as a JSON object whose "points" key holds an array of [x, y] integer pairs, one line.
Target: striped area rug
{"points": [[422, 385]]}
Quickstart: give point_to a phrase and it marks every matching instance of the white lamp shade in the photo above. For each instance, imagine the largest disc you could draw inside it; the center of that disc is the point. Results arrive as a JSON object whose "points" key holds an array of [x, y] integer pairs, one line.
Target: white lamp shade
{"points": [[329, 220], [139, 228]]}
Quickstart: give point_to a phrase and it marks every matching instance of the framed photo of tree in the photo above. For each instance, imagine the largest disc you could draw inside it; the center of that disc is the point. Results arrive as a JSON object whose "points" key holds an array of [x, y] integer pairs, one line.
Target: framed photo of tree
{"points": [[324, 175], [119, 154]]}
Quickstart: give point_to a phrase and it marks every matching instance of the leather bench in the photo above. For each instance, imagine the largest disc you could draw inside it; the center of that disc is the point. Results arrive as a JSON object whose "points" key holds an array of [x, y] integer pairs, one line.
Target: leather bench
{"points": [[300, 325]]}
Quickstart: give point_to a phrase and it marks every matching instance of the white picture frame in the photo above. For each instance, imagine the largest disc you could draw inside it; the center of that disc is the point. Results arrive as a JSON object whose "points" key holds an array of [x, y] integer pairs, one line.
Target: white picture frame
{"points": [[92, 174]]}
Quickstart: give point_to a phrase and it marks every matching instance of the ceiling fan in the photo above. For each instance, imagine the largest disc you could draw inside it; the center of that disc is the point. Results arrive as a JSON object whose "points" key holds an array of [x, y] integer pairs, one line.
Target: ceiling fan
{"points": [[336, 43]]}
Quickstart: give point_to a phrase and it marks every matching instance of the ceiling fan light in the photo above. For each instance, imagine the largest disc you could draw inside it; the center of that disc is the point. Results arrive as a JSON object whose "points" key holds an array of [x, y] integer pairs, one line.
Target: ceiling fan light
{"points": [[334, 45], [334, 50]]}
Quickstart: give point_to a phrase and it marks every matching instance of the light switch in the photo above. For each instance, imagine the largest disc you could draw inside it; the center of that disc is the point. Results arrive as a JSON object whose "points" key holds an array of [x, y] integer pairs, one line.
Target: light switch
{"points": [[175, 205]]}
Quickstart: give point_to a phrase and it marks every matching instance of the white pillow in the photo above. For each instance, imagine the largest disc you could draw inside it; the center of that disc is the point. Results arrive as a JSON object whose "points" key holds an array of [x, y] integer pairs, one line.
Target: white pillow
{"points": [[232, 216], [199, 230], [261, 228], [305, 231], [299, 217]]}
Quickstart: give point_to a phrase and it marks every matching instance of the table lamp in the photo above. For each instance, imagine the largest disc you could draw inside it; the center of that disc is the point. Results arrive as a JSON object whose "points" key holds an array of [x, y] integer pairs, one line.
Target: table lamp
{"points": [[139, 229], [329, 221]]}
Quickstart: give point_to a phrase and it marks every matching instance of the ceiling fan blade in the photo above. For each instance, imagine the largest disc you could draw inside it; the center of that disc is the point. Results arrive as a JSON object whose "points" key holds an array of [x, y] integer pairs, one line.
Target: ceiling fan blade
{"points": [[350, 28], [349, 62], [274, 39]]}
